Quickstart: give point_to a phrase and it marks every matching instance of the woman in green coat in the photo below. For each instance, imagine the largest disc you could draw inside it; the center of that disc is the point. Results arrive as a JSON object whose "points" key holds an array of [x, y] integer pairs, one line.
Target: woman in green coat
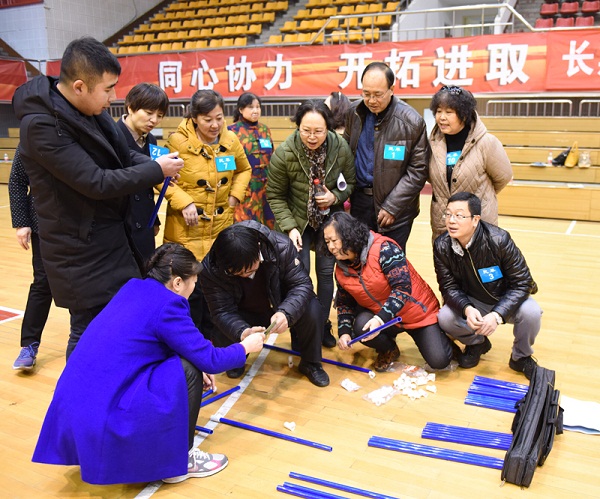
{"points": [[314, 153]]}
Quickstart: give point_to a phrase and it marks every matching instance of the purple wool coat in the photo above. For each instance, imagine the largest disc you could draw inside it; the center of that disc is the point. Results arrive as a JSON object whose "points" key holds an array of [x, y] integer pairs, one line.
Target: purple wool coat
{"points": [[120, 408]]}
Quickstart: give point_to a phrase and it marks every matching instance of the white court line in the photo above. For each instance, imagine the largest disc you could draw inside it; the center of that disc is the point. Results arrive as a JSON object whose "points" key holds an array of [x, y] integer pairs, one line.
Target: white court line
{"points": [[571, 227], [153, 487]]}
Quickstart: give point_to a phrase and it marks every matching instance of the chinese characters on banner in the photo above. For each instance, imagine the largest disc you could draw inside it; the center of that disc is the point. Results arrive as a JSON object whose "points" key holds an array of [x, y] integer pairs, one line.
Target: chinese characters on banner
{"points": [[560, 61]]}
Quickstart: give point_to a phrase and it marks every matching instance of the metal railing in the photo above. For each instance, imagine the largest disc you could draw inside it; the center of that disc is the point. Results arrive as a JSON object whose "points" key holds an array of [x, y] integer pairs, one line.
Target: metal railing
{"points": [[529, 107], [589, 107]]}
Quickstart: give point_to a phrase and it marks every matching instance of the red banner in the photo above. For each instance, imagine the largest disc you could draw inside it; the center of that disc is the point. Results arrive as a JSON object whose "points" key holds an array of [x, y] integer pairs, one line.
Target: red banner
{"points": [[12, 74], [559, 61]]}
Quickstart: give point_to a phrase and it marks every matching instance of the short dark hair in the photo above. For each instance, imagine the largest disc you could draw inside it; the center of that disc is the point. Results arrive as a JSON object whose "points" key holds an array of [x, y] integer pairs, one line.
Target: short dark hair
{"points": [[87, 59], [245, 100], [203, 102], [472, 200], [458, 99], [147, 96], [353, 234], [172, 260], [380, 66], [339, 105], [236, 248], [314, 106]]}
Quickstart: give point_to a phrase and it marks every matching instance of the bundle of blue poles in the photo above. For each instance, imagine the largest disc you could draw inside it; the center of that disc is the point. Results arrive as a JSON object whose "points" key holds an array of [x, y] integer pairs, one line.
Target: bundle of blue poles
{"points": [[495, 394]]}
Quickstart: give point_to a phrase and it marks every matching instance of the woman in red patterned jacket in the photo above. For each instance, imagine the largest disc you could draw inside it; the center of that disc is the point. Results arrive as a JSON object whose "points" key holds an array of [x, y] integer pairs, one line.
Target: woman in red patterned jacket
{"points": [[258, 145], [377, 283]]}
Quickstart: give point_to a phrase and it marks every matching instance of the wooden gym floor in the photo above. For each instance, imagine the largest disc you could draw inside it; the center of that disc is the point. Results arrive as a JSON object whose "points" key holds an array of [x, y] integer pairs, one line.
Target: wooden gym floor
{"points": [[564, 258]]}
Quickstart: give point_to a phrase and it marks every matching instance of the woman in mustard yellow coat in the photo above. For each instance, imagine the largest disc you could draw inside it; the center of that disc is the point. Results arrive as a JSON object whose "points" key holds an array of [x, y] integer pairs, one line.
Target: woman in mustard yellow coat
{"points": [[213, 180]]}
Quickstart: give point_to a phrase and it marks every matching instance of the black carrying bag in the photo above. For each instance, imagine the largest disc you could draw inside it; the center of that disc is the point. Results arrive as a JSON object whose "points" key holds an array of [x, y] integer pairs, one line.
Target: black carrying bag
{"points": [[538, 419]]}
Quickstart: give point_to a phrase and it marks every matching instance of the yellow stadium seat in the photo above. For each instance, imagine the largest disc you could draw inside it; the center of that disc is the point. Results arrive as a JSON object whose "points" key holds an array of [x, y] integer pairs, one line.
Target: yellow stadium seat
{"points": [[218, 32], [162, 36], [239, 41], [282, 5], [330, 11], [241, 30], [302, 14], [349, 22], [290, 38], [275, 39], [142, 28], [149, 37], [371, 35], [215, 43], [189, 45], [268, 17], [317, 13], [175, 25], [165, 47], [337, 37], [206, 33], [193, 34], [392, 6], [347, 10], [114, 50], [254, 29], [289, 26], [155, 47], [177, 46], [355, 36], [305, 25], [383, 21], [127, 39]]}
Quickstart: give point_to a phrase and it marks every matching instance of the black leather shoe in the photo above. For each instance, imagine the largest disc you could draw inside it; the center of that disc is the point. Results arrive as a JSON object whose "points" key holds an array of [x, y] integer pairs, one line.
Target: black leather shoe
{"points": [[470, 357], [329, 340], [314, 372], [238, 372]]}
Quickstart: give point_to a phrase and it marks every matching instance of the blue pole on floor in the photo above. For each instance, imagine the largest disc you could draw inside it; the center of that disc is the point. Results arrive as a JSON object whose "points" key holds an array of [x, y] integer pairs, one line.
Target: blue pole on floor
{"points": [[307, 492], [325, 361], [204, 430], [339, 486], [271, 433], [436, 452], [468, 436], [219, 396]]}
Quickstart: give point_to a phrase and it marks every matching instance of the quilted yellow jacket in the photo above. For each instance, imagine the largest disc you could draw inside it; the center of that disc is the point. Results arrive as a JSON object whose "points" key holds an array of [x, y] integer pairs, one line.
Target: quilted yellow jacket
{"points": [[202, 184]]}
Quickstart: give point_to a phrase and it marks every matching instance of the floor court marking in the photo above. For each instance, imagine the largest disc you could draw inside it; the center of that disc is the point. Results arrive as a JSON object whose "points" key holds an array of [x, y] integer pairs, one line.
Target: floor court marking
{"points": [[9, 314], [571, 227], [153, 487]]}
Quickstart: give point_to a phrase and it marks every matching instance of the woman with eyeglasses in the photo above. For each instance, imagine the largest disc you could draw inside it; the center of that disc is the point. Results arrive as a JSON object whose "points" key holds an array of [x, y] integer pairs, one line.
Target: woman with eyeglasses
{"points": [[314, 153], [258, 144], [465, 156], [212, 182]]}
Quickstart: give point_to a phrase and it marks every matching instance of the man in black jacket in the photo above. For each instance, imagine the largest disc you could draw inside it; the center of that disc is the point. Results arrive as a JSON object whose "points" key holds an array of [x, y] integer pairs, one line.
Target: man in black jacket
{"points": [[389, 142], [251, 278], [485, 281], [81, 173]]}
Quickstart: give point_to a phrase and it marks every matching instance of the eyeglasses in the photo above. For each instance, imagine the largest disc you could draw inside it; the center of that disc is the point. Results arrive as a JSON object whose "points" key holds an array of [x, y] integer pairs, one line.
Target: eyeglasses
{"points": [[316, 133], [457, 217], [452, 89], [378, 96], [244, 273]]}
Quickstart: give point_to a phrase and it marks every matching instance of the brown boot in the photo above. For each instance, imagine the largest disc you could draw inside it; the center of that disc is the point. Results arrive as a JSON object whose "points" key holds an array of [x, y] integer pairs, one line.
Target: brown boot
{"points": [[384, 360]]}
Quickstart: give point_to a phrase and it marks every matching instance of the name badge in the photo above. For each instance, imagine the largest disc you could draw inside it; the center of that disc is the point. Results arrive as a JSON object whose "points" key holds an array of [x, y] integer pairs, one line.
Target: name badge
{"points": [[452, 158], [265, 144], [490, 274], [225, 163], [394, 152], [157, 151]]}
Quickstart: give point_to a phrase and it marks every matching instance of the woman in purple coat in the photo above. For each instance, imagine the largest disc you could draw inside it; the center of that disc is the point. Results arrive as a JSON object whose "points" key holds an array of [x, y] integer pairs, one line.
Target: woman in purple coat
{"points": [[126, 405]]}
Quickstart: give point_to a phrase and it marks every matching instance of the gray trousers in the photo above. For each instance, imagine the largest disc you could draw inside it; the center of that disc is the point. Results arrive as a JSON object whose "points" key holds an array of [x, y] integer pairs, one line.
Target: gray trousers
{"points": [[527, 323]]}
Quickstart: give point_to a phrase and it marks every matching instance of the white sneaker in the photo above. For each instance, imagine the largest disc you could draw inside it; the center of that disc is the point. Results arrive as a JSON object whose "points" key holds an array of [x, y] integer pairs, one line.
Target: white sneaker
{"points": [[201, 464]]}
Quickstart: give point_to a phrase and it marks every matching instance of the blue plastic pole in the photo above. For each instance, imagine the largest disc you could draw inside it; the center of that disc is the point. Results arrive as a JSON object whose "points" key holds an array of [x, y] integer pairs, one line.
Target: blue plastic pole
{"points": [[219, 396], [207, 393], [482, 380], [339, 486], [491, 403], [317, 494], [325, 361], [468, 436], [436, 452], [275, 434], [491, 391], [161, 196], [204, 430], [395, 320]]}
